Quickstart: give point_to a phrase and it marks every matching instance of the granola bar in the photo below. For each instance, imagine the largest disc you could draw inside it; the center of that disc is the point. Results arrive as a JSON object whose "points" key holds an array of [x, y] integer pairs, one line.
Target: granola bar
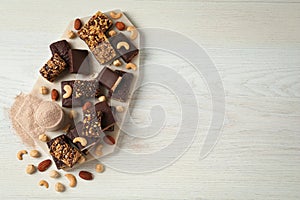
{"points": [[53, 68]]}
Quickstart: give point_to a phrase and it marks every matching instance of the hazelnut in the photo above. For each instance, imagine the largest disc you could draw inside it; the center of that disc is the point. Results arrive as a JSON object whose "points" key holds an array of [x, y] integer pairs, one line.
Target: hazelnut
{"points": [[44, 90]]}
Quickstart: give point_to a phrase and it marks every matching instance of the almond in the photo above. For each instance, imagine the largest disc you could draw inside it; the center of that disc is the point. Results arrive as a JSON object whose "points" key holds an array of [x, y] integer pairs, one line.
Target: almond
{"points": [[86, 175], [44, 165], [109, 140], [77, 24], [54, 95], [86, 106], [120, 26]]}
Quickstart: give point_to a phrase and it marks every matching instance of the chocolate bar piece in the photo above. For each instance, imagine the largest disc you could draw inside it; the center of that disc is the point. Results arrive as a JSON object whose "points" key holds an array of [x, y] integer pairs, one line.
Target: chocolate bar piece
{"points": [[127, 53], [77, 132], [62, 48], [91, 122], [122, 91], [53, 68], [78, 62], [63, 152], [107, 119], [70, 101], [93, 31], [108, 78], [86, 89], [104, 52]]}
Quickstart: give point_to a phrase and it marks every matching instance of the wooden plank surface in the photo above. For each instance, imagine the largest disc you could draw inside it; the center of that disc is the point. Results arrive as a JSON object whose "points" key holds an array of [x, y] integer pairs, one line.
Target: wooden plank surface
{"points": [[255, 47]]}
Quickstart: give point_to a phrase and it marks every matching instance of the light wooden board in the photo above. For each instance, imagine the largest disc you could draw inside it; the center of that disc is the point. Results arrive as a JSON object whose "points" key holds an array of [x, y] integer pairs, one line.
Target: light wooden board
{"points": [[255, 47]]}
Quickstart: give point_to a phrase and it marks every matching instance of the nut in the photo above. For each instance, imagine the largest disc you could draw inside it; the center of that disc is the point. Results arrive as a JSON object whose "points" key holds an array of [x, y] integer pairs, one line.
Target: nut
{"points": [[44, 183], [54, 95], [112, 33], [54, 174], [72, 180], [102, 98], [44, 90], [120, 26], [20, 154], [66, 129], [123, 44], [30, 169], [98, 150], [77, 24], [134, 32], [99, 168], [81, 140], [86, 106], [68, 90], [35, 153], [43, 138], [115, 15], [86, 175], [117, 63], [71, 35], [109, 140], [131, 66], [81, 160], [73, 114], [120, 109], [44, 165], [59, 187]]}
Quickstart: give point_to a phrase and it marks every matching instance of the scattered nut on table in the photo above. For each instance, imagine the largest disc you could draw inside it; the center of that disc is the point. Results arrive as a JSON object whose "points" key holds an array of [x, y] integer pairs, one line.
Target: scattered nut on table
{"points": [[117, 63], [120, 26], [134, 32], [20, 154], [123, 44], [131, 66], [112, 33], [35, 153], [99, 168], [72, 180], [30, 169], [68, 89], [120, 109], [98, 150], [54, 174], [54, 95], [71, 35], [77, 24], [44, 183], [43, 138], [44, 90], [73, 114], [59, 187], [81, 160], [115, 15], [81, 140], [102, 98]]}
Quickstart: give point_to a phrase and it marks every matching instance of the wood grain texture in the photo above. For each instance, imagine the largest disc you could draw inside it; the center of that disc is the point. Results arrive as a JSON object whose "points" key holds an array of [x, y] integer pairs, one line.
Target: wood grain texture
{"points": [[255, 47]]}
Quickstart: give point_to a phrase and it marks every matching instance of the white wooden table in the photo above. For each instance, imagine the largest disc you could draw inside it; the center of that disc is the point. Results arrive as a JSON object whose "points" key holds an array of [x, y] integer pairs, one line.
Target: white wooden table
{"points": [[256, 49]]}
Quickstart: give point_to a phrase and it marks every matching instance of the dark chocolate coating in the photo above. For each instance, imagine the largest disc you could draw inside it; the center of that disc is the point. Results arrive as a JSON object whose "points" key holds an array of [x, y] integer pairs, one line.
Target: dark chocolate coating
{"points": [[70, 102], [107, 119], [107, 77], [78, 61], [62, 48], [122, 91]]}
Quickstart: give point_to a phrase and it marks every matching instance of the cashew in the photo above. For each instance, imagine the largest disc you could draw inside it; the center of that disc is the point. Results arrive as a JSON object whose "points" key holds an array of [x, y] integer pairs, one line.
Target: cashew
{"points": [[98, 150], [102, 98], [134, 32], [73, 114], [43, 138], [115, 15], [30, 169], [81, 140], [44, 90], [112, 33], [131, 66], [54, 174], [123, 44], [44, 183], [68, 90], [72, 180], [20, 154], [59, 187], [120, 109], [35, 153], [99, 168], [117, 63]]}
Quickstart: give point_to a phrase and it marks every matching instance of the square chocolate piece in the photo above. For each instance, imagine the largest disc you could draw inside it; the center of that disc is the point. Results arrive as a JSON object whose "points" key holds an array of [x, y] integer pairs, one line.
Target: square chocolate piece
{"points": [[62, 48], [78, 61], [122, 91], [124, 47], [104, 52], [62, 151], [70, 101], [86, 89], [107, 119], [93, 31], [108, 78], [91, 122], [53, 68]]}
